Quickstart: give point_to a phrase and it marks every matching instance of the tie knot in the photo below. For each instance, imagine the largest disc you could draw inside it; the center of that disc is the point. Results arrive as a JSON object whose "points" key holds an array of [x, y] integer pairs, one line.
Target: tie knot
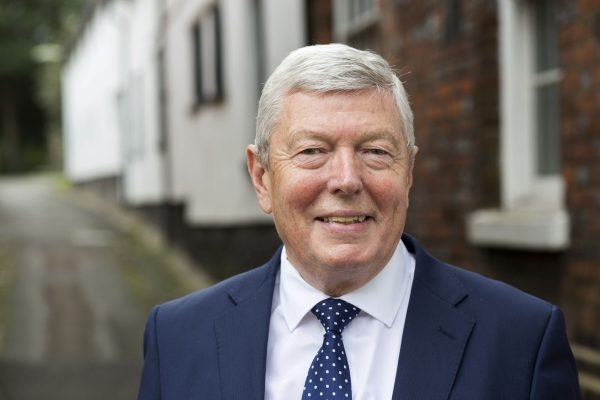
{"points": [[335, 314]]}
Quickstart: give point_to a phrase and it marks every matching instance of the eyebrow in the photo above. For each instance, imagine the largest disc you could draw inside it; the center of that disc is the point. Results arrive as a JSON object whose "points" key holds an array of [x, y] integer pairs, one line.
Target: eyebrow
{"points": [[390, 136], [296, 135]]}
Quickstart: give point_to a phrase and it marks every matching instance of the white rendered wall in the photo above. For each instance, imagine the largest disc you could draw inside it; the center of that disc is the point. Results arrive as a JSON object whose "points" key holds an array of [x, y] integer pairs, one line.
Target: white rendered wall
{"points": [[91, 80], [208, 143], [284, 29], [143, 174]]}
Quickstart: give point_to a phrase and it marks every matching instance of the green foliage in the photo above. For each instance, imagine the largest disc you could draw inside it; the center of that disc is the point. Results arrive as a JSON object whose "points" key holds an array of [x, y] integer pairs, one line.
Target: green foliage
{"points": [[27, 23], [26, 27]]}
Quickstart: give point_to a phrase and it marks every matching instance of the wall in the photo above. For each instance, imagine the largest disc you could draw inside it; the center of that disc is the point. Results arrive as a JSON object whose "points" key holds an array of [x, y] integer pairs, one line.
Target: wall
{"points": [[448, 55], [143, 172], [91, 81], [580, 133], [209, 171]]}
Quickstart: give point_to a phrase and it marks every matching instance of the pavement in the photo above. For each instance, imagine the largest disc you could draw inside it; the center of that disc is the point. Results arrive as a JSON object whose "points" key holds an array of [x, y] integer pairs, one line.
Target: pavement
{"points": [[77, 278]]}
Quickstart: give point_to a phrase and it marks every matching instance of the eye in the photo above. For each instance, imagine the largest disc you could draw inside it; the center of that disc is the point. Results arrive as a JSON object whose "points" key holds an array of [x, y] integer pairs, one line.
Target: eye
{"points": [[377, 152], [311, 151], [311, 157], [377, 158]]}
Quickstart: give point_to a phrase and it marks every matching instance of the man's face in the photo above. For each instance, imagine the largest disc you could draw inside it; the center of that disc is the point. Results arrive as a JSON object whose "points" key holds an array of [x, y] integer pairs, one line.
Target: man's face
{"points": [[337, 184]]}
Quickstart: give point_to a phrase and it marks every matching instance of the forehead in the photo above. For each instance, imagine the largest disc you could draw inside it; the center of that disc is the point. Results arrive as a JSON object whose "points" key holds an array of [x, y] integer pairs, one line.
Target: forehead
{"points": [[372, 95], [364, 111]]}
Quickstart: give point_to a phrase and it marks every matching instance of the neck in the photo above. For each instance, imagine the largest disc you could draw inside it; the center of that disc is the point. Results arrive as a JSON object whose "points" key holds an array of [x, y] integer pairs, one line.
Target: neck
{"points": [[331, 283]]}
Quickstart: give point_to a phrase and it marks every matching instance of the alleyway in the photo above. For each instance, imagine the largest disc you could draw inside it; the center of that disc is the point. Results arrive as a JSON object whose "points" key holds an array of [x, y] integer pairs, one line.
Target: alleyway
{"points": [[74, 292]]}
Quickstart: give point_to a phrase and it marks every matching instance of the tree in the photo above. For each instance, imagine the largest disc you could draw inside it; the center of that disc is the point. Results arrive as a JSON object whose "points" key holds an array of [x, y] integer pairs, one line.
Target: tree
{"points": [[28, 84]]}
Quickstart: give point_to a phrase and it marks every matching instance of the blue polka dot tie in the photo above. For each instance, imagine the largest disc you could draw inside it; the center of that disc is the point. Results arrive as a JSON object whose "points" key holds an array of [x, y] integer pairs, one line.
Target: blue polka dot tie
{"points": [[329, 375]]}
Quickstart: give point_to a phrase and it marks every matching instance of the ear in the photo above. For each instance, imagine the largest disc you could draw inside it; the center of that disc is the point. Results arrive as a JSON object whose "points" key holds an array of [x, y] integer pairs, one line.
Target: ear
{"points": [[412, 157], [260, 179]]}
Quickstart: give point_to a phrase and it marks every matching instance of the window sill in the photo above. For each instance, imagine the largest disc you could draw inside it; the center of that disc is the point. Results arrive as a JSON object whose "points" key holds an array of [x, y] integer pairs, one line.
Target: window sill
{"points": [[526, 229]]}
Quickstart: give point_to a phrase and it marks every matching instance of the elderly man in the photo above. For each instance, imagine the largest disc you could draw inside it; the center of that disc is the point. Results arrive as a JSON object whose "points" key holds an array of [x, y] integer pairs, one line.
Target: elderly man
{"points": [[349, 307]]}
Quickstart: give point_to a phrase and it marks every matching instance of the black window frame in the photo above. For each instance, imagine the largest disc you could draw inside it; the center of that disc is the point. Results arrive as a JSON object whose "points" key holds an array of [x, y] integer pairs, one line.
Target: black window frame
{"points": [[201, 90]]}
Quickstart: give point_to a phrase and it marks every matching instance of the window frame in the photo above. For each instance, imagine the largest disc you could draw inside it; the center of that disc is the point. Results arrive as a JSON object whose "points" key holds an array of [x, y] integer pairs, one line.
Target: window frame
{"points": [[532, 213], [207, 43], [346, 26]]}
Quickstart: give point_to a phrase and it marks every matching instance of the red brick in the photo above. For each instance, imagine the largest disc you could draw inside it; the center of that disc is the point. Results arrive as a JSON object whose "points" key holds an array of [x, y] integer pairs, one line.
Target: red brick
{"points": [[572, 34], [440, 74], [580, 153], [587, 7]]}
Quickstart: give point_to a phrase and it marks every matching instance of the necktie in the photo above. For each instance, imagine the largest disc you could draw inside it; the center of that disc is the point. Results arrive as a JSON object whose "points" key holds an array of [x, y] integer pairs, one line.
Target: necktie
{"points": [[329, 375]]}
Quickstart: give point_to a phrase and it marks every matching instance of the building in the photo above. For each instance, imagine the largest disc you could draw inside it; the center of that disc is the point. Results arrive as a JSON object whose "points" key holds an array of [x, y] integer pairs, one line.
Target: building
{"points": [[92, 79], [160, 100], [507, 117], [216, 57]]}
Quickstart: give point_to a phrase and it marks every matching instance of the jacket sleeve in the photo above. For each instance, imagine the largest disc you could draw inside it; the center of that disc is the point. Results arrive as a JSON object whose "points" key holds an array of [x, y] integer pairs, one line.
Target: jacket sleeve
{"points": [[150, 380], [555, 373]]}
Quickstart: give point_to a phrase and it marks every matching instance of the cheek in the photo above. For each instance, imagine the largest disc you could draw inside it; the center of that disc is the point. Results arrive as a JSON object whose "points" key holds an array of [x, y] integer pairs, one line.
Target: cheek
{"points": [[300, 191], [390, 193]]}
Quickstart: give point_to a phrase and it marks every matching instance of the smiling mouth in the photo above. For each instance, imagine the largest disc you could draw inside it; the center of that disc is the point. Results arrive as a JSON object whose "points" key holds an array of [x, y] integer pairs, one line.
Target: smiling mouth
{"points": [[343, 220]]}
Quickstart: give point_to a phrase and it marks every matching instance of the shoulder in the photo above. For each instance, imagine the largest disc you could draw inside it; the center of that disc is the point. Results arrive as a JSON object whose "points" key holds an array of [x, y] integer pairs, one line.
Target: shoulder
{"points": [[521, 333], [216, 299], [482, 297], [500, 298]]}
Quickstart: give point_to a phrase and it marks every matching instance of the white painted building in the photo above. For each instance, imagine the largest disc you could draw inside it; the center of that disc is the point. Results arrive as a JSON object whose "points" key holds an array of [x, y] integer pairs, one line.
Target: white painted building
{"points": [[111, 103], [232, 45], [92, 79], [143, 178], [160, 98]]}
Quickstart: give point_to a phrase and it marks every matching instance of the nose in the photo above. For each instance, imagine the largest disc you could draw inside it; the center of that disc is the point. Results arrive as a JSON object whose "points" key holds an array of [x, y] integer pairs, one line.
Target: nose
{"points": [[345, 173]]}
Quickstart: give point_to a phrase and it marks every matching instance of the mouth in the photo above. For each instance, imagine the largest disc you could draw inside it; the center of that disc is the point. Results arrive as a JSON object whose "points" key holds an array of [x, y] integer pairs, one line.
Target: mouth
{"points": [[344, 220]]}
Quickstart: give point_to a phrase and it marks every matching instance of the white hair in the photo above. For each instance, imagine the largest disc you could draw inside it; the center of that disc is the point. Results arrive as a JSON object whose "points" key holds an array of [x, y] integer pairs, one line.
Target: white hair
{"points": [[326, 69]]}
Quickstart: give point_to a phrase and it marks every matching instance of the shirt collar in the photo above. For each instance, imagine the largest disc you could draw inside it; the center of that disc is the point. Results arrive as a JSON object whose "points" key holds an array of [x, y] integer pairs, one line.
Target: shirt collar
{"points": [[381, 297]]}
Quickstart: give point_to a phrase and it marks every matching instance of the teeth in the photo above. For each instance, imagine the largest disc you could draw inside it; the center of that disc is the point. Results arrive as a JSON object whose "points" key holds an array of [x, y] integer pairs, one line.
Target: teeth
{"points": [[345, 220]]}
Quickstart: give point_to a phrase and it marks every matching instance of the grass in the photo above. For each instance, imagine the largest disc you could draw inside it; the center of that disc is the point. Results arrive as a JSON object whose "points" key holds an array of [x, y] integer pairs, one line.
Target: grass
{"points": [[59, 182], [147, 273]]}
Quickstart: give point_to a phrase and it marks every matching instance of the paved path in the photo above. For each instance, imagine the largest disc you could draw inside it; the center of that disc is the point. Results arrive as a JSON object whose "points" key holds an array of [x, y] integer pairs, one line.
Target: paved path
{"points": [[73, 329]]}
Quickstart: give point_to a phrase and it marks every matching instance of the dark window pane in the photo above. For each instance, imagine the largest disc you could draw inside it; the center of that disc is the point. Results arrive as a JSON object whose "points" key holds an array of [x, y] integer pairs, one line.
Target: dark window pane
{"points": [[548, 119], [197, 43], [546, 36], [208, 69]]}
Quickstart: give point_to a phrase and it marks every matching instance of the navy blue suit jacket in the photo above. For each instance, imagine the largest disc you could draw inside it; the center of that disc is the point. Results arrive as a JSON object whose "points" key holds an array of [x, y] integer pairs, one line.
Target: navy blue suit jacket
{"points": [[466, 337]]}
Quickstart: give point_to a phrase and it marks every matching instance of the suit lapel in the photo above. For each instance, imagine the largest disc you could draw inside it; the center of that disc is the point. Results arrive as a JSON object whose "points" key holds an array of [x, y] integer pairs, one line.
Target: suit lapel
{"points": [[435, 333], [242, 335]]}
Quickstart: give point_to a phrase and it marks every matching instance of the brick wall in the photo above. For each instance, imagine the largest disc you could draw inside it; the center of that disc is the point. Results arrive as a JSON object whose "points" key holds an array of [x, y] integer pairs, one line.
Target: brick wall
{"points": [[580, 131], [447, 54], [318, 13]]}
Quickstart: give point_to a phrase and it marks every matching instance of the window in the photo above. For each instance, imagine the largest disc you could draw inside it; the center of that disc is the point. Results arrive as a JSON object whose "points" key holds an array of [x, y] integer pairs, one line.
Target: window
{"points": [[354, 22], [546, 78], [532, 211], [208, 74]]}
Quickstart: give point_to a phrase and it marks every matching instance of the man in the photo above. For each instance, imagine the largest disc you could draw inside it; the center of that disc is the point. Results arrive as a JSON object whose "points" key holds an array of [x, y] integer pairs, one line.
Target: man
{"points": [[350, 307]]}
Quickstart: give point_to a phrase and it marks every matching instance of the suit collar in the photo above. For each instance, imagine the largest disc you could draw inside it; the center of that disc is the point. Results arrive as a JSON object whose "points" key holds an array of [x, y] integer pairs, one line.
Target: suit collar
{"points": [[242, 334], [264, 277], [436, 331], [434, 275]]}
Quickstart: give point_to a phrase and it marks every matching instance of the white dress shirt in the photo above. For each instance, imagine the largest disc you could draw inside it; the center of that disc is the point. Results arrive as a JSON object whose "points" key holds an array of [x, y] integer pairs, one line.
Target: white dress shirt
{"points": [[372, 341]]}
